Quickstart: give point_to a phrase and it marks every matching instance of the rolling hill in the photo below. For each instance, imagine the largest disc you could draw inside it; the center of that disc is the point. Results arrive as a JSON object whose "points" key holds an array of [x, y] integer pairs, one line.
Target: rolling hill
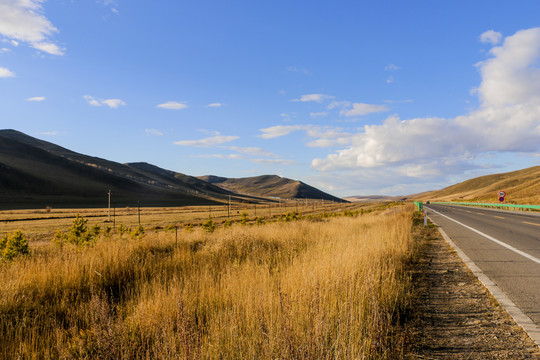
{"points": [[270, 186], [36, 174], [521, 186]]}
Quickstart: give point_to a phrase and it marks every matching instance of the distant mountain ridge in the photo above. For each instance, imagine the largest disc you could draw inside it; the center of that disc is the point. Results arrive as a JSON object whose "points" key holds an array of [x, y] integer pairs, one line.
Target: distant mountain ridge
{"points": [[270, 186], [36, 173], [373, 198]]}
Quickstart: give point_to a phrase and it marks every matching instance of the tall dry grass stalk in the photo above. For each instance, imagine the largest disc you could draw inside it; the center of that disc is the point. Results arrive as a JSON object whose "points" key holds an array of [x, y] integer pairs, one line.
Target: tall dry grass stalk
{"points": [[331, 289]]}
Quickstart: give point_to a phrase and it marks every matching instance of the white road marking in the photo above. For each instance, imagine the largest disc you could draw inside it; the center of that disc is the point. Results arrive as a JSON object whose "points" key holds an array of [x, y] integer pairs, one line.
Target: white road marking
{"points": [[522, 253]]}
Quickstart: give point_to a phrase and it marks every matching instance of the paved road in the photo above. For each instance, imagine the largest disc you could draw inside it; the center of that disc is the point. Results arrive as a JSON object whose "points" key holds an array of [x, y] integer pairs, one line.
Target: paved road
{"points": [[511, 258]]}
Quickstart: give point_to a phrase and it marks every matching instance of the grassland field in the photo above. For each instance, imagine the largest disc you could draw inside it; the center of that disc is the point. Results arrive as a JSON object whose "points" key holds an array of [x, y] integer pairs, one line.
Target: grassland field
{"points": [[40, 224], [332, 285]]}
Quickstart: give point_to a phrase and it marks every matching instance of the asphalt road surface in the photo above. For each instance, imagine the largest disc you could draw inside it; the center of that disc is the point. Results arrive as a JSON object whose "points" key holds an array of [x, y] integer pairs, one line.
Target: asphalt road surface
{"points": [[510, 256]]}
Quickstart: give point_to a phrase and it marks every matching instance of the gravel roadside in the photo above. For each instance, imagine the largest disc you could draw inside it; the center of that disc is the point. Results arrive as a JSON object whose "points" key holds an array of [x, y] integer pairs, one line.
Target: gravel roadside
{"points": [[457, 317]]}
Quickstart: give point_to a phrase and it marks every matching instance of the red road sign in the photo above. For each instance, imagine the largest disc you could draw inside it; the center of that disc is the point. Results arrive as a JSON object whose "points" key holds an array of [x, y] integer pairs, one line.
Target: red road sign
{"points": [[501, 199], [502, 194]]}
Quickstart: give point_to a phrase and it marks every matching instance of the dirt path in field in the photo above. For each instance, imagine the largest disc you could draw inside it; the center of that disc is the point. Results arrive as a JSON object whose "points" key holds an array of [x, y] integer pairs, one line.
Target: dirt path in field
{"points": [[457, 317]]}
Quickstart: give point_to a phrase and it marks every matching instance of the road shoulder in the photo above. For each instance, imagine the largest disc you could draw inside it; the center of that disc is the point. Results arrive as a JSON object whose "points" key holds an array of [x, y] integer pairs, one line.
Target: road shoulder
{"points": [[457, 317]]}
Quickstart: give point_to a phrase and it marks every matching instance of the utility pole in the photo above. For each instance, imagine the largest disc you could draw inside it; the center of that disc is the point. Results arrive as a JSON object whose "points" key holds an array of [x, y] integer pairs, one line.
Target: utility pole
{"points": [[139, 212], [109, 206]]}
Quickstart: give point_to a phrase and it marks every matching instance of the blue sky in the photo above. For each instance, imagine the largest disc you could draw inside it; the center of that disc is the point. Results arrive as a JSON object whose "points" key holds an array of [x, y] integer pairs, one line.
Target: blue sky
{"points": [[353, 97]]}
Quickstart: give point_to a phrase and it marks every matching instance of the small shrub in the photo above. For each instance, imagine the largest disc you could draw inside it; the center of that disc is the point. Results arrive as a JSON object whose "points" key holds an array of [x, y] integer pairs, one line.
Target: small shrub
{"points": [[123, 229], [291, 216], [138, 232], [209, 226], [227, 224], [13, 245], [95, 230], [244, 218], [78, 234], [188, 228], [350, 213]]}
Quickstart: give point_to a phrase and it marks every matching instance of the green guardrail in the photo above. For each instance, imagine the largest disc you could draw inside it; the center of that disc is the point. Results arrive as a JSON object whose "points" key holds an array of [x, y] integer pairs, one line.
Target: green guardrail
{"points": [[489, 205]]}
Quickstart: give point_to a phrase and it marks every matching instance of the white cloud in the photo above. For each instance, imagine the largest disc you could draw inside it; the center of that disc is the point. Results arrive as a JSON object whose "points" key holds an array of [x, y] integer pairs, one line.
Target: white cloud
{"points": [[207, 142], [316, 114], [4, 50], [253, 151], [50, 48], [298, 69], [313, 97], [323, 136], [215, 105], [172, 105], [220, 156], [153, 132], [338, 104], [90, 100], [507, 120], [36, 98], [23, 21], [512, 75], [5, 73], [283, 162], [113, 5], [406, 101], [391, 67], [112, 103], [328, 142], [280, 130], [360, 109], [491, 37]]}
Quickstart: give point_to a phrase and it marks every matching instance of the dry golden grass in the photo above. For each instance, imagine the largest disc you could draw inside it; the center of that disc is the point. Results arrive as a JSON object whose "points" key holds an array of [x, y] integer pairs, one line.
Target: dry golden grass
{"points": [[521, 187], [331, 288], [41, 224]]}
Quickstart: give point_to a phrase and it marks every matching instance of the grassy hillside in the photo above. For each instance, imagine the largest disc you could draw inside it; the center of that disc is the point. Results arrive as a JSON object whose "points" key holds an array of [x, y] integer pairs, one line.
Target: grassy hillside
{"points": [[37, 173], [521, 186], [270, 186]]}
